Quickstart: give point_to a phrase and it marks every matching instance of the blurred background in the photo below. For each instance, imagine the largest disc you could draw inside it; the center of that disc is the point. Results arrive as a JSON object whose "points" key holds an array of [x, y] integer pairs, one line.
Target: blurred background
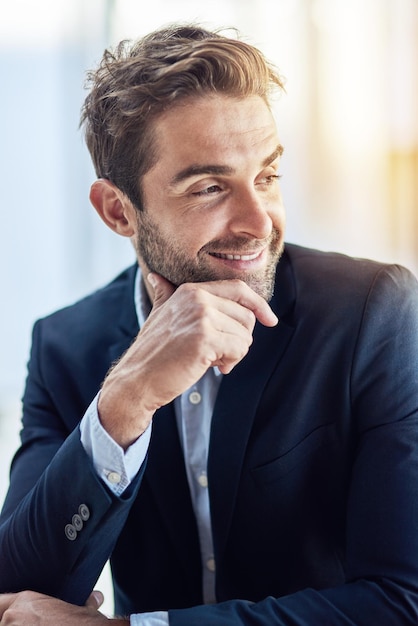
{"points": [[348, 121]]}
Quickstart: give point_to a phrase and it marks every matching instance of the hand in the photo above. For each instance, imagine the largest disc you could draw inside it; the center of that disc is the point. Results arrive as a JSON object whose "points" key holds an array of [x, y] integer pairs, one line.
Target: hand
{"points": [[191, 328], [29, 608]]}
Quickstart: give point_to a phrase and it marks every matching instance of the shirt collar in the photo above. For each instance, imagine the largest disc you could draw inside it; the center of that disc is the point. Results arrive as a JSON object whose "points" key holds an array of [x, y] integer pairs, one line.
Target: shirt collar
{"points": [[142, 302]]}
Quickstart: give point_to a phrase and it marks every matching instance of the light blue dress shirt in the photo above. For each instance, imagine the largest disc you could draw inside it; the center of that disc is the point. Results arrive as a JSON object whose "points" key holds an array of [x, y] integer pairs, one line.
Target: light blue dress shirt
{"points": [[117, 468]]}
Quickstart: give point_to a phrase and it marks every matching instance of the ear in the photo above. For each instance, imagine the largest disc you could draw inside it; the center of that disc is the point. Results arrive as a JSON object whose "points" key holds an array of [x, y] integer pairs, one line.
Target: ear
{"points": [[115, 209]]}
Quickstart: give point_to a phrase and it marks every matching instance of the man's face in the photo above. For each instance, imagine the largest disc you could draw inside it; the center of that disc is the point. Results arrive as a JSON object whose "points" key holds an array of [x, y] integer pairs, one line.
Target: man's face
{"points": [[212, 203]]}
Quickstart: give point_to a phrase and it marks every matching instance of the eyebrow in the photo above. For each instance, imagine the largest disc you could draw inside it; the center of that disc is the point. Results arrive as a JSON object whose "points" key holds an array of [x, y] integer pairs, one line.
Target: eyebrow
{"points": [[218, 170], [273, 156]]}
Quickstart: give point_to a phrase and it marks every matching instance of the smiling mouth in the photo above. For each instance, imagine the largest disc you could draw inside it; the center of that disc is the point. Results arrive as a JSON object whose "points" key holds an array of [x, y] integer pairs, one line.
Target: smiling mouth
{"points": [[236, 257]]}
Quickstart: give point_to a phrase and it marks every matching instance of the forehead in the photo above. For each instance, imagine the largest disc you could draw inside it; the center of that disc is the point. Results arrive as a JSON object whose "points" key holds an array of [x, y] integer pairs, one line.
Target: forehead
{"points": [[215, 129]]}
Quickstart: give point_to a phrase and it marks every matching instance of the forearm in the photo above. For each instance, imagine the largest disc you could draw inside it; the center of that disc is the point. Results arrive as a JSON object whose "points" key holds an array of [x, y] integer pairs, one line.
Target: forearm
{"points": [[36, 552], [114, 466], [359, 603]]}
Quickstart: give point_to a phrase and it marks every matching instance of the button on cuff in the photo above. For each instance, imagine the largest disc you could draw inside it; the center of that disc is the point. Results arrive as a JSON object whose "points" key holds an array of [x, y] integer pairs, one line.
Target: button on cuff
{"points": [[77, 522], [70, 532], [84, 512], [116, 480], [113, 477]]}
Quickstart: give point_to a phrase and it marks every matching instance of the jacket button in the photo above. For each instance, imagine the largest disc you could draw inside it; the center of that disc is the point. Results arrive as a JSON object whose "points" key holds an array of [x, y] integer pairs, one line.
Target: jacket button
{"points": [[77, 522], [70, 532], [84, 512]]}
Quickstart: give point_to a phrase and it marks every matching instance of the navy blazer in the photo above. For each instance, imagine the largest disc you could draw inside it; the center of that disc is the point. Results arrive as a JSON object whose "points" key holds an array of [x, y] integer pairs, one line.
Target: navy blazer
{"points": [[312, 468]]}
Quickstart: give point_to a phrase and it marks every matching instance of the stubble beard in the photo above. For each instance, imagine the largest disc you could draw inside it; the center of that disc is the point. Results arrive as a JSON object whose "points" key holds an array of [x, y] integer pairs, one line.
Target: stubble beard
{"points": [[163, 256]]}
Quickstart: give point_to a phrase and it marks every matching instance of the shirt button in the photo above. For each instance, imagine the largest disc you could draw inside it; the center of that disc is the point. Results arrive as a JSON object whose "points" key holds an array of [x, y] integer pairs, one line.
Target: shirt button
{"points": [[203, 480], [210, 564], [114, 478], [195, 397]]}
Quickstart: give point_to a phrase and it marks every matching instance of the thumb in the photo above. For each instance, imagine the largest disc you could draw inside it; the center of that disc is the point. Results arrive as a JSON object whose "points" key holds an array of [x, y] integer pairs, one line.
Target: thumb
{"points": [[161, 287], [95, 599]]}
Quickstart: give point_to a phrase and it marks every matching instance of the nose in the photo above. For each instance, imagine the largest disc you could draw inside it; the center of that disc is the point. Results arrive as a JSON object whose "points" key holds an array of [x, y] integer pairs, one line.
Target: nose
{"points": [[250, 214]]}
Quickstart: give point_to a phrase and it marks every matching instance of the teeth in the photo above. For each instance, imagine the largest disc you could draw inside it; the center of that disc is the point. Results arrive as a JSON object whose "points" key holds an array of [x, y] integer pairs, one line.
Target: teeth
{"points": [[237, 257]]}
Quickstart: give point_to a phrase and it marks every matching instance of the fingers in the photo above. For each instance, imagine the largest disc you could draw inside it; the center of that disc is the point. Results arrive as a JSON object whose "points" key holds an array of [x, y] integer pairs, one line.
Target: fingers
{"points": [[30, 607], [6, 599], [234, 290], [95, 599], [161, 287], [239, 292]]}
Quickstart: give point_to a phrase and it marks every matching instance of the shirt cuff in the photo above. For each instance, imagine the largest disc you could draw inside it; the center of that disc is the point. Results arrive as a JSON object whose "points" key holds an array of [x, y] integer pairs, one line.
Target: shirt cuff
{"points": [[116, 467], [156, 618]]}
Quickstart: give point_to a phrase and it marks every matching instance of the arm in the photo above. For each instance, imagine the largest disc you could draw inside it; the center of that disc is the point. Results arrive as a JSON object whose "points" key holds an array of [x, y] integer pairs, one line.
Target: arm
{"points": [[36, 553], [53, 476]]}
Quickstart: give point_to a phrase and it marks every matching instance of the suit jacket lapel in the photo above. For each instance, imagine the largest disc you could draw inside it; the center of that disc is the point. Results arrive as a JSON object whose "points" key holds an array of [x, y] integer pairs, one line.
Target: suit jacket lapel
{"points": [[236, 406]]}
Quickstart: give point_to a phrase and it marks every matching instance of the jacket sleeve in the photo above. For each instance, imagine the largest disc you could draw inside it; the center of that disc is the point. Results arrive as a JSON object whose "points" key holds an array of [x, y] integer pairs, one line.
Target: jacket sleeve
{"points": [[381, 533], [59, 522]]}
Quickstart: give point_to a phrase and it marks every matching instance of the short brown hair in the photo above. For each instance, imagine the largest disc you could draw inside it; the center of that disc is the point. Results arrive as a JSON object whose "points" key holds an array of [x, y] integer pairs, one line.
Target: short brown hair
{"points": [[138, 80]]}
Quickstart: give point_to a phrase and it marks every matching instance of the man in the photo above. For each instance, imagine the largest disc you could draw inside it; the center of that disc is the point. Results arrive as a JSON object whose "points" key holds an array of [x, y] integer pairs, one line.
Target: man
{"points": [[248, 445]]}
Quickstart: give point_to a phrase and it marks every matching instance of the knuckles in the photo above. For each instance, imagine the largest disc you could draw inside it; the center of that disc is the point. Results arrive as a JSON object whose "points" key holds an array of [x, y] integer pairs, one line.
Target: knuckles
{"points": [[19, 609], [249, 318]]}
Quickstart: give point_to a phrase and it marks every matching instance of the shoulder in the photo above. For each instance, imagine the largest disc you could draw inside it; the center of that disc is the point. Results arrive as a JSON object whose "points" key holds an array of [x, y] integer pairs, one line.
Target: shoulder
{"points": [[106, 308], [338, 287], [321, 271]]}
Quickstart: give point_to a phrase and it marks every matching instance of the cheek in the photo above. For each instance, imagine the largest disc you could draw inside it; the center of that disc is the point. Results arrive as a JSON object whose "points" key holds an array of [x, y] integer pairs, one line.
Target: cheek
{"points": [[193, 233], [191, 242]]}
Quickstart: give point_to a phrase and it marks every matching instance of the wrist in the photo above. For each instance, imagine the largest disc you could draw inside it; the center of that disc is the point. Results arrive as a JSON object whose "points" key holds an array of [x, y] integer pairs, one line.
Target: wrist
{"points": [[123, 424]]}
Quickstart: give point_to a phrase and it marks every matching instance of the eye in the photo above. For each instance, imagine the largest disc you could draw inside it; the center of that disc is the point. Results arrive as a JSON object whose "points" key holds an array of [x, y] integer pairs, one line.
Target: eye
{"points": [[272, 178], [268, 180], [208, 191]]}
